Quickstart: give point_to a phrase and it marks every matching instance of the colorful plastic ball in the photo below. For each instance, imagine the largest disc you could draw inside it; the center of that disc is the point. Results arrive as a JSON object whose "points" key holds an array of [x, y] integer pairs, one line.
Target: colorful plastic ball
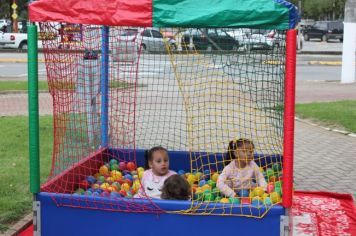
{"points": [[234, 200], [269, 172], [115, 194], [278, 184], [217, 199], [261, 169], [224, 200], [267, 201], [209, 197], [202, 183], [270, 187], [181, 172], [136, 185], [122, 193], [243, 193], [191, 179], [104, 170], [131, 166], [96, 194], [258, 191], [278, 190], [198, 175], [91, 179], [275, 197], [194, 188], [272, 178], [105, 194], [111, 188], [114, 167], [88, 193], [206, 172], [99, 190], [215, 177], [128, 176], [95, 186], [215, 191], [134, 172], [256, 202], [84, 184], [110, 179], [122, 165], [126, 172], [211, 183], [139, 169], [140, 174], [101, 178], [198, 196], [113, 161], [245, 200], [104, 186], [125, 186], [277, 167], [116, 185], [129, 194], [206, 187], [80, 191], [116, 175]]}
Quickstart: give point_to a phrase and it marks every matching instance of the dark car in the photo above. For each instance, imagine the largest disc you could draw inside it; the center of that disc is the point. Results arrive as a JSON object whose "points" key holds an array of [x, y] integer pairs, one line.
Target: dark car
{"points": [[325, 30], [208, 39]]}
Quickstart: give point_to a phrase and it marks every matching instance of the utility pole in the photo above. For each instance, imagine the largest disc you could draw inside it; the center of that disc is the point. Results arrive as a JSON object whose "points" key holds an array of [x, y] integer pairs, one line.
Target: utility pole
{"points": [[349, 45]]}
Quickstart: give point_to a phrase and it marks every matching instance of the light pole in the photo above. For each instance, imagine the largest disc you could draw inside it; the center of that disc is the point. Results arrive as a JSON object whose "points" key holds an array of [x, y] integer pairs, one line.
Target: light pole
{"points": [[349, 45]]}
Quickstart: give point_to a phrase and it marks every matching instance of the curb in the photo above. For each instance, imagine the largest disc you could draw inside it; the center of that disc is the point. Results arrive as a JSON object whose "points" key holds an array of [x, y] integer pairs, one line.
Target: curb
{"points": [[19, 226], [344, 132]]}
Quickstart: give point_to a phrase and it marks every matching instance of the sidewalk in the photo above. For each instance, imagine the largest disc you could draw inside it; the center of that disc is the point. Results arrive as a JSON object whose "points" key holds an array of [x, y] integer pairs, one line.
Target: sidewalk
{"points": [[324, 160]]}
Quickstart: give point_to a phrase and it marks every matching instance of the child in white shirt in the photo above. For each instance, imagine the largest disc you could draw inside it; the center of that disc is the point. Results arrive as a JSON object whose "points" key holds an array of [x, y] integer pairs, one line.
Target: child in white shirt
{"points": [[157, 161], [241, 171]]}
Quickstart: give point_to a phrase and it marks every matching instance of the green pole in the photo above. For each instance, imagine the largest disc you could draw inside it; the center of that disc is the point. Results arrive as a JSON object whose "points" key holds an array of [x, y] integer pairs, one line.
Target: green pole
{"points": [[33, 117]]}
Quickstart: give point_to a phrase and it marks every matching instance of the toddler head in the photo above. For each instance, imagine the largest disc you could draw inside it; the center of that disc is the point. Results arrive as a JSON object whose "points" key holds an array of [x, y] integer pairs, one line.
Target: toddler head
{"points": [[157, 159], [242, 151], [176, 187]]}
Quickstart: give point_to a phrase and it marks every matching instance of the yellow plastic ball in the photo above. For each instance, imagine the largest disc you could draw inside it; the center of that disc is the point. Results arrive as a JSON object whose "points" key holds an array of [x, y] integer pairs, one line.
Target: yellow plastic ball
{"points": [[140, 174], [104, 170], [275, 197], [139, 169], [116, 175], [205, 187], [215, 177], [136, 185], [258, 191], [104, 186], [125, 186], [224, 200]]}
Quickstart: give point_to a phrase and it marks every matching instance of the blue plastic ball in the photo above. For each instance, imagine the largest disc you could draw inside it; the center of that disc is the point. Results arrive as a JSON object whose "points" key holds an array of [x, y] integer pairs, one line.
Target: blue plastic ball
{"points": [[243, 193], [181, 172], [206, 172], [91, 179], [128, 176], [115, 194], [202, 183]]}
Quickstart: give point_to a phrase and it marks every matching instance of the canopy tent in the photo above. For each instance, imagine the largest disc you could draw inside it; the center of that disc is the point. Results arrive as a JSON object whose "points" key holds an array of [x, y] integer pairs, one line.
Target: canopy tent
{"points": [[267, 14]]}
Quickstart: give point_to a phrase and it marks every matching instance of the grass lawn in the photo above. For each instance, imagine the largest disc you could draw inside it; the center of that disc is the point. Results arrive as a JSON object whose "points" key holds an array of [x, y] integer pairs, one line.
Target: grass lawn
{"points": [[16, 200], [43, 85], [340, 114]]}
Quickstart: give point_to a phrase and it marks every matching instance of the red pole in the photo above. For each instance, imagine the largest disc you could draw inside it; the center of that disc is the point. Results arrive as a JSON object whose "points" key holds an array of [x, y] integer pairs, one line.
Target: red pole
{"points": [[289, 111]]}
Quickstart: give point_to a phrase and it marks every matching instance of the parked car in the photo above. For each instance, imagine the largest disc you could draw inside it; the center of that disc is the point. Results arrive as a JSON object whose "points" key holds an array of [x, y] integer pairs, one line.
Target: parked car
{"points": [[253, 39], [325, 30], [208, 39], [153, 40]]}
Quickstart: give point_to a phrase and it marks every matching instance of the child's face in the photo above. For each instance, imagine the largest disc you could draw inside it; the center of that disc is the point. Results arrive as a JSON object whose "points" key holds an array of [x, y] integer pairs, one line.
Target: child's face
{"points": [[159, 163], [244, 154]]}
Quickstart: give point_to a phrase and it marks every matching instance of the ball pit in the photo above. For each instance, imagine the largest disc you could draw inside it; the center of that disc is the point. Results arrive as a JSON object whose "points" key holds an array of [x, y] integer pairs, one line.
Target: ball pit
{"points": [[117, 179]]}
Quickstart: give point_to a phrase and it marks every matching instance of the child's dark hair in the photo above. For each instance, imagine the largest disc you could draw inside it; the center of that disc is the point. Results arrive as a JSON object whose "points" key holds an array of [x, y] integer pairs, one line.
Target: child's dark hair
{"points": [[176, 187], [234, 145], [149, 154]]}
